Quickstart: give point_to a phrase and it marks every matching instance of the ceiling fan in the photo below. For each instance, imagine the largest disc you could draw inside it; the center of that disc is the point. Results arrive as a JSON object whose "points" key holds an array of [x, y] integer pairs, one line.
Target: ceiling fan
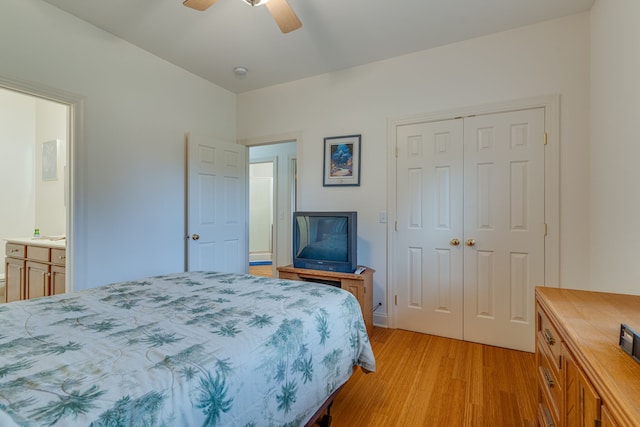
{"points": [[280, 10]]}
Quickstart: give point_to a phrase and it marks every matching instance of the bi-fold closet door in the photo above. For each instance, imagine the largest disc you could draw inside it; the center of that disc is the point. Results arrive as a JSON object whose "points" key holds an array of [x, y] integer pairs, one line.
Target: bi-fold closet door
{"points": [[470, 226]]}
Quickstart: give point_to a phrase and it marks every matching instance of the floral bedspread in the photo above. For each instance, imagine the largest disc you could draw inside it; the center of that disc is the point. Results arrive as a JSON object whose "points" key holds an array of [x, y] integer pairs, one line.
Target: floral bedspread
{"points": [[189, 349]]}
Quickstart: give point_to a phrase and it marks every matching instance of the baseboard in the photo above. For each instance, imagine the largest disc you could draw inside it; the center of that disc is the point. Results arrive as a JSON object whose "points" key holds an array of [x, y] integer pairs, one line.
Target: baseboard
{"points": [[380, 320], [260, 256]]}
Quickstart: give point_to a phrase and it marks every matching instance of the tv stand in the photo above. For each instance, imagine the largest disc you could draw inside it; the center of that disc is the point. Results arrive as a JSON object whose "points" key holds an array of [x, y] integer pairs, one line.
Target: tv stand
{"points": [[360, 285]]}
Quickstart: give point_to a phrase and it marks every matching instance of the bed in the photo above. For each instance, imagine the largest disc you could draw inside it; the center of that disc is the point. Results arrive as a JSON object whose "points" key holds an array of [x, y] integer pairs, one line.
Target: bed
{"points": [[189, 349]]}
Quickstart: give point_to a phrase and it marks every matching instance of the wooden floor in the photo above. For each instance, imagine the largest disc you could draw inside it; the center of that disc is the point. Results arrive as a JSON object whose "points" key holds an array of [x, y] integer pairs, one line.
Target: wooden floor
{"points": [[424, 380], [260, 270]]}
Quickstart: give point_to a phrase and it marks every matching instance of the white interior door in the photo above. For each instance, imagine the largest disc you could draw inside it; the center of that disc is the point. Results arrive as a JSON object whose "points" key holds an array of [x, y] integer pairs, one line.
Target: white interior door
{"points": [[261, 211], [470, 227], [429, 199], [504, 226], [217, 205]]}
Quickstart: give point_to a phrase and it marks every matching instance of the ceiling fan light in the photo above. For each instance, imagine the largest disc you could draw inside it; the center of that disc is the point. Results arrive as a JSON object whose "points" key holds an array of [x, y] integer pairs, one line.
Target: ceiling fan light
{"points": [[255, 2]]}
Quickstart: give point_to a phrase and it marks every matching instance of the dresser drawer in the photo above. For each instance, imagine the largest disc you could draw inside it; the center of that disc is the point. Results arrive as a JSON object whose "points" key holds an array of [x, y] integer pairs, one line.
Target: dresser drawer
{"points": [[58, 256], [38, 253], [550, 384], [14, 250], [549, 340], [545, 417]]}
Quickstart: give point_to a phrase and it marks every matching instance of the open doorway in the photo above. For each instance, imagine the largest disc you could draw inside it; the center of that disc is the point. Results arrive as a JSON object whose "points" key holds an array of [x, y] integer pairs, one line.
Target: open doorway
{"points": [[35, 153], [271, 203], [261, 202]]}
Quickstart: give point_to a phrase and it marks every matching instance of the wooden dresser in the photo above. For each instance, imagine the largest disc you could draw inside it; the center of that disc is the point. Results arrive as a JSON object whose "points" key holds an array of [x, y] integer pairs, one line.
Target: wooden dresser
{"points": [[584, 377], [34, 268], [360, 285]]}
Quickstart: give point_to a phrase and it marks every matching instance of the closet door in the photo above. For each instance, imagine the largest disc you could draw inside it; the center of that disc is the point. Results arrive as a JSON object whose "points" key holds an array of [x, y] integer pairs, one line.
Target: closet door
{"points": [[503, 226], [429, 199], [470, 227]]}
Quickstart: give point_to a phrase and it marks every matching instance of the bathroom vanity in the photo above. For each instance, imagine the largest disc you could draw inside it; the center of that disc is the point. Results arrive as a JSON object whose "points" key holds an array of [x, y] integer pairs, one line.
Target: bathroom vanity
{"points": [[34, 267]]}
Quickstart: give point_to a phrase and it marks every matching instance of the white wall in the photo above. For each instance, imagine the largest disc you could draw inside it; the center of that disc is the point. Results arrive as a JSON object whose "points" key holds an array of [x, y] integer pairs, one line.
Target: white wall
{"points": [[17, 165], [51, 211], [547, 58], [137, 108], [615, 146], [25, 123]]}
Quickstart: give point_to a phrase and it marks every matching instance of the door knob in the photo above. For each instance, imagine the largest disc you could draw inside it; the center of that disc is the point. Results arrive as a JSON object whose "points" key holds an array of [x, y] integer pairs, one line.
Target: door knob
{"points": [[195, 236], [471, 242], [454, 242]]}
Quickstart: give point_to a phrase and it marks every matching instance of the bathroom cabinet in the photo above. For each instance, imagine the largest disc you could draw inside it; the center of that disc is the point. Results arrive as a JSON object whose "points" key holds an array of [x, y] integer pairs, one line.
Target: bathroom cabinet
{"points": [[34, 268], [14, 279]]}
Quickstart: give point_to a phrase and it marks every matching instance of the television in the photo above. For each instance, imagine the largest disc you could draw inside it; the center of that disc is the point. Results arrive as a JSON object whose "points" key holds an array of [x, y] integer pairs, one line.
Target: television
{"points": [[325, 241]]}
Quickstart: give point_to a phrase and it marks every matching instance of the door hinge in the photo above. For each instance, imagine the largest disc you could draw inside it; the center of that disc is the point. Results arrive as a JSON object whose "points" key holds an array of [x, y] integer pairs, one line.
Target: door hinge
{"points": [[545, 138], [396, 299], [546, 229], [396, 152], [395, 225]]}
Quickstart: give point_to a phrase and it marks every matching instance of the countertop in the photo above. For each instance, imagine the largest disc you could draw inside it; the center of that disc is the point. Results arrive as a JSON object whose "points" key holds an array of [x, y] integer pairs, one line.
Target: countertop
{"points": [[49, 242]]}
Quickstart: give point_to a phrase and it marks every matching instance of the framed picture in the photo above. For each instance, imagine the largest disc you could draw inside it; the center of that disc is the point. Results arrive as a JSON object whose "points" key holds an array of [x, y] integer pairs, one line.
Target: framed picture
{"points": [[50, 160], [341, 161]]}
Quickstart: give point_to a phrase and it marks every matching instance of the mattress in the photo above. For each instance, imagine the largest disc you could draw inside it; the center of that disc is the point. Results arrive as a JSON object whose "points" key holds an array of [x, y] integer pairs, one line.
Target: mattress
{"points": [[188, 349]]}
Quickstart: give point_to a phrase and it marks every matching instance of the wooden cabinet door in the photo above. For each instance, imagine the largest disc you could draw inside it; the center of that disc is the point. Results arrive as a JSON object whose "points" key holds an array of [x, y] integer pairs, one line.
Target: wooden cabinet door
{"points": [[582, 402], [14, 279], [359, 290], [355, 287], [58, 280], [37, 279], [607, 419], [591, 402]]}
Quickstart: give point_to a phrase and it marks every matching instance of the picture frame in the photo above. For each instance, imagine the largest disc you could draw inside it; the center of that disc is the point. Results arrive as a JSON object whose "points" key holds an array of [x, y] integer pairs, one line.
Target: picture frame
{"points": [[342, 161], [50, 160]]}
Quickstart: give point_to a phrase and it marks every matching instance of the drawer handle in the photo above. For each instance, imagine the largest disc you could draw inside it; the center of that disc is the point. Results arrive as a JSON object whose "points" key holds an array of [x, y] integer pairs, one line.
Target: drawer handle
{"points": [[547, 417], [61, 257], [548, 378], [548, 337], [13, 251]]}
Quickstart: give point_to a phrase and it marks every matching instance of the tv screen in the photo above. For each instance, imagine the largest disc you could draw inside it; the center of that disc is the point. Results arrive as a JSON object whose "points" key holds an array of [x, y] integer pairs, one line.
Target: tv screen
{"points": [[325, 241]]}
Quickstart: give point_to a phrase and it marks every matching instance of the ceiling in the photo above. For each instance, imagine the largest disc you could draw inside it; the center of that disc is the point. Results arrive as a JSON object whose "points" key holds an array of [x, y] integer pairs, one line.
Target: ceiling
{"points": [[335, 34]]}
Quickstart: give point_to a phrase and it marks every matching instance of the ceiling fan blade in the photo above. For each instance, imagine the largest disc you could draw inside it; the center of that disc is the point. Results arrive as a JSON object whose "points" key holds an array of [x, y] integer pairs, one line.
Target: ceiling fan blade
{"points": [[199, 4], [283, 14]]}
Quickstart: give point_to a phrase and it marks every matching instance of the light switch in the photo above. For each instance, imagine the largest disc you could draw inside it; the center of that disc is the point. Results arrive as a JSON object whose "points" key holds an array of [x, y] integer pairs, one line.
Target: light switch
{"points": [[382, 216]]}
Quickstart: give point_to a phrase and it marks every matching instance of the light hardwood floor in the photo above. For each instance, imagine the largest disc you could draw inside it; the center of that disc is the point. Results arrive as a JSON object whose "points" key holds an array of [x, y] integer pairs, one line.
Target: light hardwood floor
{"points": [[424, 380], [260, 270]]}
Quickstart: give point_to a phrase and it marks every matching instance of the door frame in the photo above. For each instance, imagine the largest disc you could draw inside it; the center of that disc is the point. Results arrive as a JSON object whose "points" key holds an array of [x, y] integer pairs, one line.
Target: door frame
{"points": [[295, 137], [76, 223], [551, 105]]}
